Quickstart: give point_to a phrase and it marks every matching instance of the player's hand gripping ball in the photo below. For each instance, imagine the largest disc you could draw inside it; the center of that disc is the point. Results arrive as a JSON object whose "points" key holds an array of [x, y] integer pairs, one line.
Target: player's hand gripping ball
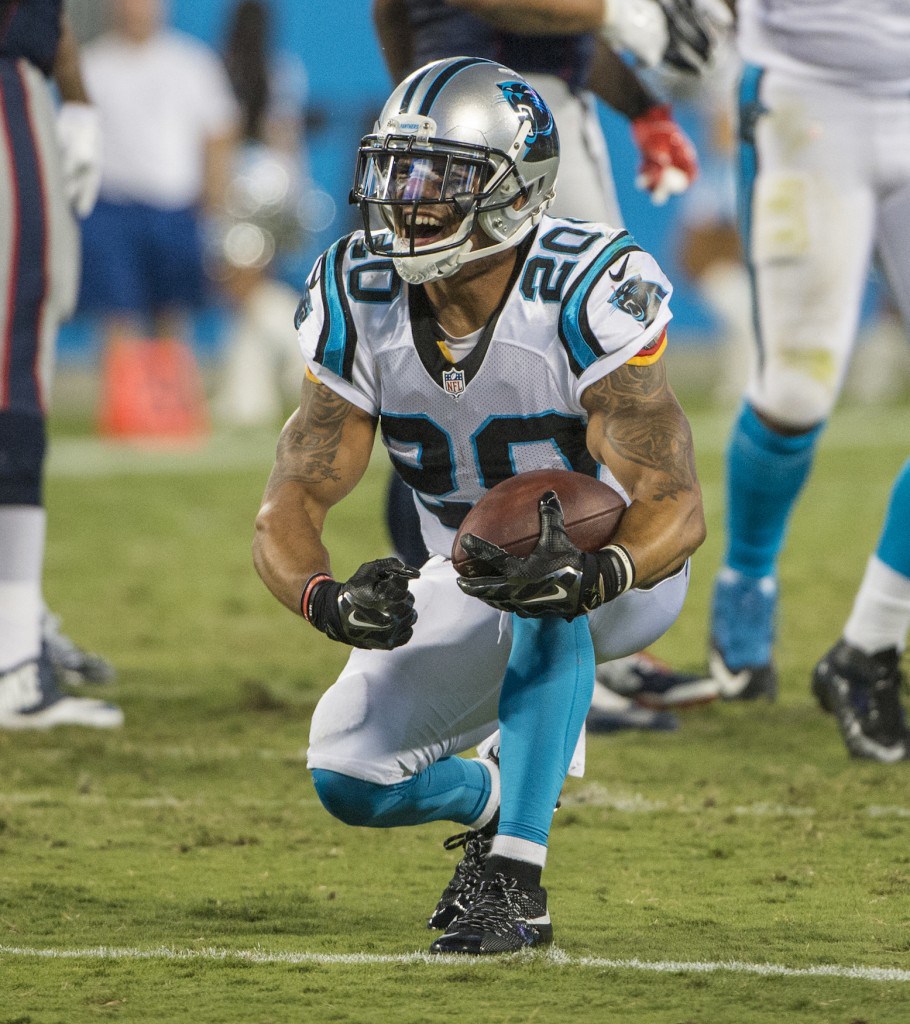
{"points": [[539, 544]]}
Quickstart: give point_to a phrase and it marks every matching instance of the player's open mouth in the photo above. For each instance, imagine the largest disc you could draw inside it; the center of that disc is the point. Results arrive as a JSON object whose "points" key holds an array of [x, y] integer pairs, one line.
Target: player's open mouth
{"points": [[424, 229]]}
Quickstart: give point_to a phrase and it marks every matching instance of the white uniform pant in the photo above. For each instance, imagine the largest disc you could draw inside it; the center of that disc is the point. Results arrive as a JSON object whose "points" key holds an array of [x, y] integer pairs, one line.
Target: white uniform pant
{"points": [[393, 713], [831, 186]]}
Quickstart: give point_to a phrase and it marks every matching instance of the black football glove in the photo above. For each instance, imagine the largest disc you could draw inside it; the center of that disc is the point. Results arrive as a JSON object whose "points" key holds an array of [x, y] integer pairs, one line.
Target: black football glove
{"points": [[374, 609], [555, 579], [694, 28]]}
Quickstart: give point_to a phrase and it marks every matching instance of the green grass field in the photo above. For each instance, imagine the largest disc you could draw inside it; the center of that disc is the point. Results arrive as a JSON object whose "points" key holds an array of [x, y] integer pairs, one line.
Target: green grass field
{"points": [[741, 869]]}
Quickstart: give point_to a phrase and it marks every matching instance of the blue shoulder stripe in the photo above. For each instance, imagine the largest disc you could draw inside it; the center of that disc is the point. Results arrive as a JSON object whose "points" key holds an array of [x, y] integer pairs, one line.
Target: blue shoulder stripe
{"points": [[574, 331], [338, 338]]}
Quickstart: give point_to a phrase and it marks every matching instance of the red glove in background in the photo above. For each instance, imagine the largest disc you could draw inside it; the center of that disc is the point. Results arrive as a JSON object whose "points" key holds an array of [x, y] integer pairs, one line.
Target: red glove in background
{"points": [[669, 162]]}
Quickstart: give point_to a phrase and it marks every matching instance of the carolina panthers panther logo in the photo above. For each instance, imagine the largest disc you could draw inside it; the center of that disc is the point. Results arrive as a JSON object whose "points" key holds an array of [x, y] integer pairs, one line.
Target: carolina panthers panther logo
{"points": [[543, 142], [640, 299]]}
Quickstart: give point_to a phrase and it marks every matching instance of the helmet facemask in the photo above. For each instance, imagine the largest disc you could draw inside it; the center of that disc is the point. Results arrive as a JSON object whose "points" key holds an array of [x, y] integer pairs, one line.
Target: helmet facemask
{"points": [[421, 200]]}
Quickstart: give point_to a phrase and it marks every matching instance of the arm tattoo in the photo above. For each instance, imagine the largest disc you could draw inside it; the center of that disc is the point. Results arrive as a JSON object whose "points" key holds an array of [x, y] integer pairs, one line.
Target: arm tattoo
{"points": [[644, 424], [309, 444]]}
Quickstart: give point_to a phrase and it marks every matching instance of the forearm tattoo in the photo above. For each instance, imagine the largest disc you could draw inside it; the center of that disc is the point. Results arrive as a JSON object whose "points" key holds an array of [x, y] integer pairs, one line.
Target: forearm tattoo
{"points": [[644, 424], [309, 444]]}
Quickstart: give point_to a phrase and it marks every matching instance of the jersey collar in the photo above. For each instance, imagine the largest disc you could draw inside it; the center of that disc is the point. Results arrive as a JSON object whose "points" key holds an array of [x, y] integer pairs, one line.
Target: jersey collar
{"points": [[427, 334]]}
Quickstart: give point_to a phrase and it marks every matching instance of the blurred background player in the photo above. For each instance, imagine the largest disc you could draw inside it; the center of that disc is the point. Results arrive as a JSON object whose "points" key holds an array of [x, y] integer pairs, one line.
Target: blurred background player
{"points": [[709, 251], [262, 221], [169, 121], [859, 680], [48, 171], [824, 122], [560, 49]]}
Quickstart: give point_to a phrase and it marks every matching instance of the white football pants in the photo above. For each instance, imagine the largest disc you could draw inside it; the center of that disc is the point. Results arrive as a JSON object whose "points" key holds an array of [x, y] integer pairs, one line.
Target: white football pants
{"points": [[832, 186], [392, 713]]}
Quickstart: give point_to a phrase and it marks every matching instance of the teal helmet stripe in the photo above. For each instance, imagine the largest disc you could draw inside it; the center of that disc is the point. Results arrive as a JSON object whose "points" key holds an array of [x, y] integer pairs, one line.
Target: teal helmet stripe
{"points": [[338, 339], [581, 344]]}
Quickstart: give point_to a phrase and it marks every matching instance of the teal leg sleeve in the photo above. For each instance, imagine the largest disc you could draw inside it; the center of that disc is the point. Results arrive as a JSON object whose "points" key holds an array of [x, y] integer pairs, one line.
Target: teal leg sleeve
{"points": [[894, 544], [765, 474], [452, 789], [546, 694]]}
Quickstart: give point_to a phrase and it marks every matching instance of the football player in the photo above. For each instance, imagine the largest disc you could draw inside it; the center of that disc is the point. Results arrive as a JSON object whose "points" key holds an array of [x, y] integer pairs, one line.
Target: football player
{"points": [[483, 339], [49, 174], [825, 166]]}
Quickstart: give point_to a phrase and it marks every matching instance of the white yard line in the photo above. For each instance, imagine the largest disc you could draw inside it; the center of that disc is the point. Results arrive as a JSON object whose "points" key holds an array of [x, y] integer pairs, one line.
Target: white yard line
{"points": [[554, 956]]}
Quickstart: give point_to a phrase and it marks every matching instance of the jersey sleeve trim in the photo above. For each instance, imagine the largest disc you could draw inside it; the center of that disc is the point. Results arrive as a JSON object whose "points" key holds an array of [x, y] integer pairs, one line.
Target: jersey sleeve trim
{"points": [[575, 332], [338, 337], [320, 375], [651, 352]]}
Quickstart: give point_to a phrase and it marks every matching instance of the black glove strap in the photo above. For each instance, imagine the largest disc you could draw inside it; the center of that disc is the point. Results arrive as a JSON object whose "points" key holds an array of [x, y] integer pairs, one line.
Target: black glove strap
{"points": [[615, 572], [319, 604]]}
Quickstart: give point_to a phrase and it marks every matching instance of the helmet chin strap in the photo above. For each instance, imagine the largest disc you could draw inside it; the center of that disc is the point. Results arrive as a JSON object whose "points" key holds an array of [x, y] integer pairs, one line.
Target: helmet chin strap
{"points": [[420, 268]]}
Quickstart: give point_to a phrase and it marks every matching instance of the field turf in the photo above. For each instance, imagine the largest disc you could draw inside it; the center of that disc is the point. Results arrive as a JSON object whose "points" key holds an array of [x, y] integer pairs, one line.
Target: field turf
{"points": [[741, 870]]}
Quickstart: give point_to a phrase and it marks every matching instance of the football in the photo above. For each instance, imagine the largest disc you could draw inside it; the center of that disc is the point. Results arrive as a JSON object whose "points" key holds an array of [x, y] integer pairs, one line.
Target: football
{"points": [[507, 515]]}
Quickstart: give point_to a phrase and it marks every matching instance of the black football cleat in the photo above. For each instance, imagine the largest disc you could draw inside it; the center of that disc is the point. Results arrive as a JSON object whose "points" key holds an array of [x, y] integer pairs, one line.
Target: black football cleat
{"points": [[468, 872], [750, 682], [862, 691], [501, 917]]}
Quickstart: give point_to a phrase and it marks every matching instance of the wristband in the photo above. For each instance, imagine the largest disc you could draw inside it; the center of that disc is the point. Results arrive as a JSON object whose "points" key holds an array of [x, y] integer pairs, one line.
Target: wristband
{"points": [[306, 598], [624, 566]]}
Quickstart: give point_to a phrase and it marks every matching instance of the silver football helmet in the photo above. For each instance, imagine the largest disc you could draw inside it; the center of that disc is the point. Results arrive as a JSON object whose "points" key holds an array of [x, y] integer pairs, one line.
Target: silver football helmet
{"points": [[461, 143]]}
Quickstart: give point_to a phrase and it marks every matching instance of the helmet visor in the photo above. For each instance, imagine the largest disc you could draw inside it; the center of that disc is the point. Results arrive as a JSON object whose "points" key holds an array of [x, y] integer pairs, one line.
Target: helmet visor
{"points": [[420, 198], [420, 177]]}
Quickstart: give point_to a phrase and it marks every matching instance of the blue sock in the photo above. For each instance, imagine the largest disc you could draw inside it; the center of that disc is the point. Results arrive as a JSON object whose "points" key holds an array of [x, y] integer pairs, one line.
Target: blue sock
{"points": [[545, 697], [765, 473], [894, 544], [452, 789]]}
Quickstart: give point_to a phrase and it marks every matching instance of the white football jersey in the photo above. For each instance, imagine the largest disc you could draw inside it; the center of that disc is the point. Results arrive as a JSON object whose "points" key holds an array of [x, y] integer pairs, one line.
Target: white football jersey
{"points": [[864, 44], [583, 299]]}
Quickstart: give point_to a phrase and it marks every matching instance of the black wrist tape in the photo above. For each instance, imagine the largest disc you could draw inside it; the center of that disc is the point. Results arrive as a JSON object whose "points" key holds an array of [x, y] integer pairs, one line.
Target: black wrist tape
{"points": [[322, 606], [617, 571]]}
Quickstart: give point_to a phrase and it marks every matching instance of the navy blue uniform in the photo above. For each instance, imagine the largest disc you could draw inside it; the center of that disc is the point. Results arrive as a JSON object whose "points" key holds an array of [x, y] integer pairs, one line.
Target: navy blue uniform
{"points": [[30, 29], [443, 31], [31, 211]]}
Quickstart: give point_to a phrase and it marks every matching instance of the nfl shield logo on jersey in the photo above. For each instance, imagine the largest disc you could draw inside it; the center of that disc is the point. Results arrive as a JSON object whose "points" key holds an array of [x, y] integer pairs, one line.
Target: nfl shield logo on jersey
{"points": [[453, 381]]}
